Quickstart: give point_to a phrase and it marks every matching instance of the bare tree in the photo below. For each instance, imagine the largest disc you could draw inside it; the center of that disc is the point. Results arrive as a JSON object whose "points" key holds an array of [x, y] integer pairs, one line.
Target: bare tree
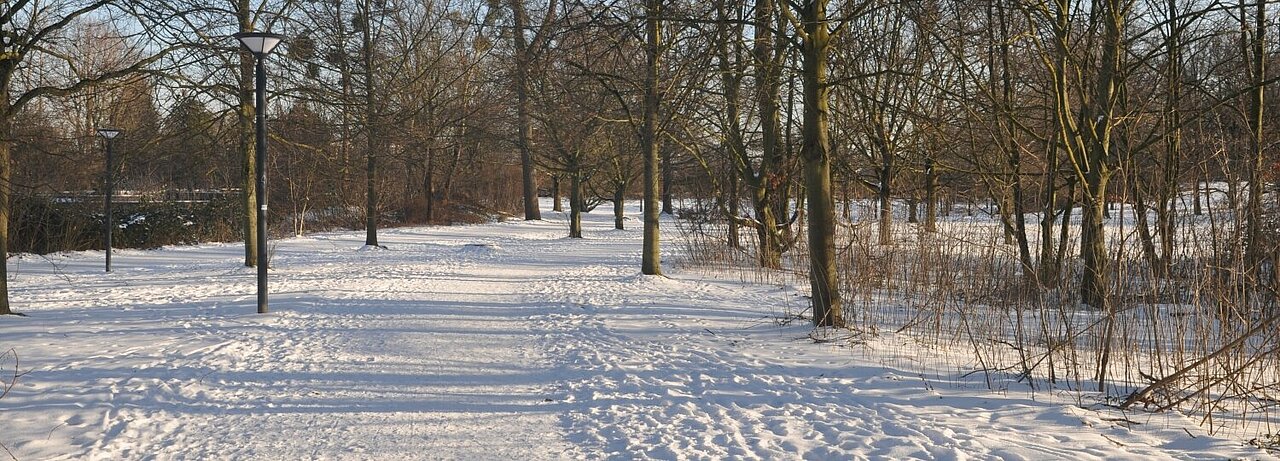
{"points": [[572, 114], [1253, 44], [761, 164], [812, 29], [651, 256], [527, 50]]}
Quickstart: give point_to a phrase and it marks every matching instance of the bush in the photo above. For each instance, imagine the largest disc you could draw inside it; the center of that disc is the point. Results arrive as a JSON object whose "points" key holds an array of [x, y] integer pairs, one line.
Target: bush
{"points": [[43, 225], [155, 224]]}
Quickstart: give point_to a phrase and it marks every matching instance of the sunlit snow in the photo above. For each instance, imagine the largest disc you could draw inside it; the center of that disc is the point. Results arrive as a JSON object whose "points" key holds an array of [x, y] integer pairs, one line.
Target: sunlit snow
{"points": [[501, 341]]}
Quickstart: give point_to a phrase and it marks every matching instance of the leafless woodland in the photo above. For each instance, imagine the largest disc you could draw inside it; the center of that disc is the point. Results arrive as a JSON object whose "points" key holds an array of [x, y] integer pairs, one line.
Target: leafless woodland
{"points": [[1066, 194]]}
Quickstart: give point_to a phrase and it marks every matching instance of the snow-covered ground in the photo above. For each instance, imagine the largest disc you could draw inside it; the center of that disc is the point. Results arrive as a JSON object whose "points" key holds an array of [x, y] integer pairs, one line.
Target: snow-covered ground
{"points": [[501, 341]]}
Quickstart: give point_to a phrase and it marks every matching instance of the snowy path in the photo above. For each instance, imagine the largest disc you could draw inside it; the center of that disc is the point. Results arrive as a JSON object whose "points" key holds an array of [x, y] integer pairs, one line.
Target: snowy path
{"points": [[502, 341]]}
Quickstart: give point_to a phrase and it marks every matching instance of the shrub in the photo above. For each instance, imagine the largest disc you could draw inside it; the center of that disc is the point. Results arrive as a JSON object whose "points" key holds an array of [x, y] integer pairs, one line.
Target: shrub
{"points": [[44, 225]]}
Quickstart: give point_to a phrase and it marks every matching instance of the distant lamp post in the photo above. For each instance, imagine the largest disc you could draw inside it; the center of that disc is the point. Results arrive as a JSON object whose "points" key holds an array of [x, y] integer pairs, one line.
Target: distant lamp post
{"points": [[261, 44], [108, 187]]}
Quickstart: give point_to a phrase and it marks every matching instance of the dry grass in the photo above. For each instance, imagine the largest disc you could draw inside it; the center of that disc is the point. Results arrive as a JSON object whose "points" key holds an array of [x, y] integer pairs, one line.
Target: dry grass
{"points": [[1204, 340]]}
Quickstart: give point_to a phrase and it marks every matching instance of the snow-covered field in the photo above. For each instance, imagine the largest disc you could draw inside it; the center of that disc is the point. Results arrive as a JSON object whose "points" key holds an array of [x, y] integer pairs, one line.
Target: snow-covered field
{"points": [[501, 341]]}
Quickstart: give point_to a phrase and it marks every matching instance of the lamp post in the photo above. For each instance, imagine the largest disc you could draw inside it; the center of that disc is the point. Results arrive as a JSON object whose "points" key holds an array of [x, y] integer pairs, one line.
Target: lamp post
{"points": [[109, 134], [260, 44]]}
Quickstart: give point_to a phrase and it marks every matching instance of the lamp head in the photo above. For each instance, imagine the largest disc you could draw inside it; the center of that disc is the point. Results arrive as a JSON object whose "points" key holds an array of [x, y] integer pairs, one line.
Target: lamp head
{"points": [[259, 43], [109, 133]]}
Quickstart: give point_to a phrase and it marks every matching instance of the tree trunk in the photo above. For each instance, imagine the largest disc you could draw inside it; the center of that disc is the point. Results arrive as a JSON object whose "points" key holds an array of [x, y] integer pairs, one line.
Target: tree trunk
{"points": [[523, 120], [1093, 286], [769, 254], [1146, 239], [1004, 206], [883, 194], [245, 131], [1049, 265], [446, 192], [1086, 137], [1166, 211], [651, 260], [1167, 196], [1053, 256], [667, 207], [816, 151], [575, 204], [372, 136], [555, 194], [371, 199], [1096, 165], [429, 185], [1015, 213], [823, 278], [731, 76], [930, 197], [619, 202], [734, 239], [1255, 251], [1064, 229], [846, 200], [768, 186], [6, 192], [1019, 217]]}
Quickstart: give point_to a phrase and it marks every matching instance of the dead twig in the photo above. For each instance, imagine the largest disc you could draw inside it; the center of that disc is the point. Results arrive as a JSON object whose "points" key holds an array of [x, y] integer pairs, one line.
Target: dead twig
{"points": [[1144, 395]]}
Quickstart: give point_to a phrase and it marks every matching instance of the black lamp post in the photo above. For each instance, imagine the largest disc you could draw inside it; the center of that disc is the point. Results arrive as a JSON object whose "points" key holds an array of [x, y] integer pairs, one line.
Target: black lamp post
{"points": [[261, 44], [107, 190]]}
